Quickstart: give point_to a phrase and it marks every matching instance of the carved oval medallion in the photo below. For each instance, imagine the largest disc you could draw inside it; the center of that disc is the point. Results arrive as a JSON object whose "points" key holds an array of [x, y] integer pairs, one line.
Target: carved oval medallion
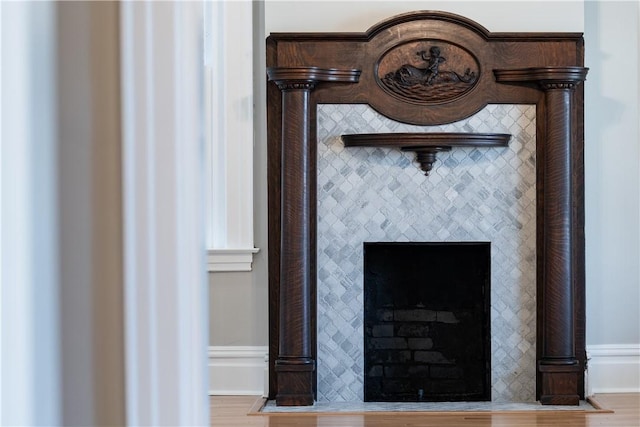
{"points": [[427, 71]]}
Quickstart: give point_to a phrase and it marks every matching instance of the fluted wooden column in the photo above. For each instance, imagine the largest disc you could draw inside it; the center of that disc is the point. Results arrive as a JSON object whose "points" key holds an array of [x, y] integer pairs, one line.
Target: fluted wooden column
{"points": [[558, 368], [295, 366]]}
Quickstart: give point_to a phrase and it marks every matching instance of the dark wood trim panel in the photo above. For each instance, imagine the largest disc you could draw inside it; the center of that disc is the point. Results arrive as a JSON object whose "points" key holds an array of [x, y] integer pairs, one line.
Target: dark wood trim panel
{"points": [[380, 68], [578, 228], [274, 123], [558, 367]]}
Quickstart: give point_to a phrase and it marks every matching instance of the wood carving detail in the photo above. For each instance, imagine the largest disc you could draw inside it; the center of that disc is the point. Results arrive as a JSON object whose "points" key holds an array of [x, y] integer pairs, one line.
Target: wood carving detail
{"points": [[437, 72], [287, 85]]}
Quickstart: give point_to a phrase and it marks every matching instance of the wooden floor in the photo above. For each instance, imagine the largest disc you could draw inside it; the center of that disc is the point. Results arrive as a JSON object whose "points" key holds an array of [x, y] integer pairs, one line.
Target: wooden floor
{"points": [[229, 411]]}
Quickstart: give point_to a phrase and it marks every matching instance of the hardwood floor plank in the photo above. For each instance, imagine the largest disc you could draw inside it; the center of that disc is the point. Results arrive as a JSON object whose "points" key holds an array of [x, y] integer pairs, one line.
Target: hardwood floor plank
{"points": [[230, 411]]}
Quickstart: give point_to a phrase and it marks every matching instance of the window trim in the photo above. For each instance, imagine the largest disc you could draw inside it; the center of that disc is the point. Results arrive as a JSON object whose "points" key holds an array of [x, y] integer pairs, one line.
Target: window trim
{"points": [[229, 109]]}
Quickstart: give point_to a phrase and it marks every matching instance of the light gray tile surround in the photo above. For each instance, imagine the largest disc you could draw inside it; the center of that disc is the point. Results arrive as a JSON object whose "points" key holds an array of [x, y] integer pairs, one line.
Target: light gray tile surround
{"points": [[472, 194]]}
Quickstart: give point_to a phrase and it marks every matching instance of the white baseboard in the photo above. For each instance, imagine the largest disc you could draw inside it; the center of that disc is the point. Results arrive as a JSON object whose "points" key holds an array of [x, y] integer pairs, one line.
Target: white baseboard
{"points": [[238, 370], [243, 370], [613, 368]]}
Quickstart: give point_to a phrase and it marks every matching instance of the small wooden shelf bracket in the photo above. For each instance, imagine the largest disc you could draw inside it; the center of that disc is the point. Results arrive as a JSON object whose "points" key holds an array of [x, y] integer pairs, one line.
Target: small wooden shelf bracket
{"points": [[426, 145]]}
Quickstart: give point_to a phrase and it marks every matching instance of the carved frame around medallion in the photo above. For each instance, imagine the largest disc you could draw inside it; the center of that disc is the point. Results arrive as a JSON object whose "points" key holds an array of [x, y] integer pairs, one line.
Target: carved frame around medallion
{"points": [[423, 55]]}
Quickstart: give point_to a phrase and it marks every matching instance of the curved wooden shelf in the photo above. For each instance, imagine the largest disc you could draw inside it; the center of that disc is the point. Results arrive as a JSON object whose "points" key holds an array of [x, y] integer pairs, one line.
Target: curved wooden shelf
{"points": [[426, 145], [541, 75], [313, 74]]}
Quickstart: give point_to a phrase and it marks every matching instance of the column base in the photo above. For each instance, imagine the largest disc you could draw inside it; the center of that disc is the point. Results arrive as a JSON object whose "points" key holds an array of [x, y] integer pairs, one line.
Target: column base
{"points": [[295, 382], [559, 382]]}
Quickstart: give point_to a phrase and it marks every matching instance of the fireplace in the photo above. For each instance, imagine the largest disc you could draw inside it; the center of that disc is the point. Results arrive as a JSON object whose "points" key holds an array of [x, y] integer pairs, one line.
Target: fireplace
{"points": [[380, 68], [426, 322]]}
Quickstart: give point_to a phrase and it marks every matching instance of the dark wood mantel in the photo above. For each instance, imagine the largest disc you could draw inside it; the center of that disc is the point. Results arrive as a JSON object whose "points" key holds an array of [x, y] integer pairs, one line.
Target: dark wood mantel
{"points": [[381, 68]]}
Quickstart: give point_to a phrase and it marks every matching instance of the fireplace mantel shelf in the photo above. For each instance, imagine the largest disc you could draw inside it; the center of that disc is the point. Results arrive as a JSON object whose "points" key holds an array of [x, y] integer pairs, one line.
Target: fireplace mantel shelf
{"points": [[426, 145]]}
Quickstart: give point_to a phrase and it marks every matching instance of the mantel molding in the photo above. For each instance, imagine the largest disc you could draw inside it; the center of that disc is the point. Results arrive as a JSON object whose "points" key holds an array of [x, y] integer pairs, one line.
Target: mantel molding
{"points": [[547, 77], [299, 75]]}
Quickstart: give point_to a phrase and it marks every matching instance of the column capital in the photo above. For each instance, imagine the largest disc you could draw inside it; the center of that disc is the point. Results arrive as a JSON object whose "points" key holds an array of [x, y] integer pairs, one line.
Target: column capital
{"points": [[286, 85], [546, 85]]}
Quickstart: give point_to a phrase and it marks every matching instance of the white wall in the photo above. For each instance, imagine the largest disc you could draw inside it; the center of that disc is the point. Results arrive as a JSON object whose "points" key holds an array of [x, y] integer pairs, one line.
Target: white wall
{"points": [[612, 172], [238, 301], [165, 293], [612, 175], [63, 320], [62, 329], [359, 15], [28, 176]]}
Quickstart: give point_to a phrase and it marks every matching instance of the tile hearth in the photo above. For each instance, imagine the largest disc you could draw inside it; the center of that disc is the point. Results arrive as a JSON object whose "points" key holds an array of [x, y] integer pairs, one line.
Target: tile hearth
{"points": [[472, 194], [357, 407]]}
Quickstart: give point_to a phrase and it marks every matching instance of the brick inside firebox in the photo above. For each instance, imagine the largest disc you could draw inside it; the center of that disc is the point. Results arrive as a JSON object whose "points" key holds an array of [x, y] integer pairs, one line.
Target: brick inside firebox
{"points": [[427, 334]]}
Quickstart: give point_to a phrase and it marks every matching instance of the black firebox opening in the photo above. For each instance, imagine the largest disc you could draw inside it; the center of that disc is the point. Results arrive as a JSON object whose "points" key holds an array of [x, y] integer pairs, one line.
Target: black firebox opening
{"points": [[426, 322]]}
